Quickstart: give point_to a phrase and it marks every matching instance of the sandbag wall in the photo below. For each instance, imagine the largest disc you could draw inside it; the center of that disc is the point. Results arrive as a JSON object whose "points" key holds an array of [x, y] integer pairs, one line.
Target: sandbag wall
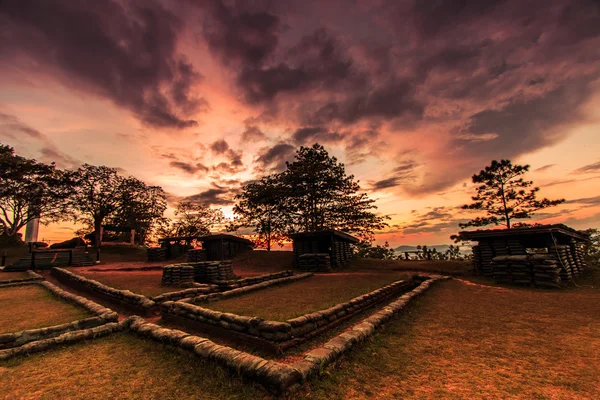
{"points": [[177, 275], [296, 329], [196, 255], [124, 297], [486, 250], [210, 271], [571, 264], [544, 270], [342, 253], [314, 262], [253, 280], [157, 254]]}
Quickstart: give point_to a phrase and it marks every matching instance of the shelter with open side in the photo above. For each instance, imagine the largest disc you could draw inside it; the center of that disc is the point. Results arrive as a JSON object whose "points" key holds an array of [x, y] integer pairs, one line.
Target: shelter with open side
{"points": [[215, 247], [563, 243], [322, 250]]}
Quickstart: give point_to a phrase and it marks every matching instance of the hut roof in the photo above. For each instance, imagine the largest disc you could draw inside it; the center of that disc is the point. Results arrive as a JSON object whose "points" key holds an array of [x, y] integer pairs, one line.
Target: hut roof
{"points": [[555, 229], [208, 238], [340, 235]]}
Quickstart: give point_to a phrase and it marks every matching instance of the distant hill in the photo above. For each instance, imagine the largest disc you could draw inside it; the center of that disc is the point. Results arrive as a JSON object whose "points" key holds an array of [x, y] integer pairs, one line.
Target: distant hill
{"points": [[439, 247]]}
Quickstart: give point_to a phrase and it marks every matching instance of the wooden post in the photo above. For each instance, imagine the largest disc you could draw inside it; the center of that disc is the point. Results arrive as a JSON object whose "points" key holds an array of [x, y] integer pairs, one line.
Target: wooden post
{"points": [[32, 260], [70, 257], [3, 259], [97, 255]]}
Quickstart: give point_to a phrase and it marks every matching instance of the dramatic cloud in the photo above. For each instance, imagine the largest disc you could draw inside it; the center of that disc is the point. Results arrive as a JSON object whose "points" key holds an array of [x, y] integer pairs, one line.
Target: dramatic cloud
{"points": [[544, 168], [253, 134], [189, 168], [215, 196], [272, 159], [403, 174], [586, 169], [124, 53]]}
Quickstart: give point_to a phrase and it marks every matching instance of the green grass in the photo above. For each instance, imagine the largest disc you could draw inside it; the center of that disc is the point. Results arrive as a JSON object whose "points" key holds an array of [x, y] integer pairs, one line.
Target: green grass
{"points": [[141, 282], [462, 341], [120, 366], [32, 307], [316, 293]]}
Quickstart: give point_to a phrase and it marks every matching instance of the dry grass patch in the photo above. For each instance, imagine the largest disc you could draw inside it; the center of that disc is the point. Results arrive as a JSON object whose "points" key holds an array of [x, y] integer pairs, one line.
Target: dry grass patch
{"points": [[455, 268], [469, 341], [7, 276], [258, 262], [32, 307], [120, 366], [141, 282], [316, 293]]}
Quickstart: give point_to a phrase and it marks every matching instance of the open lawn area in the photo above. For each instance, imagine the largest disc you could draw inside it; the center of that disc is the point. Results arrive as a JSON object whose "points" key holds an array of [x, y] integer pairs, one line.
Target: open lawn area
{"points": [[120, 366], [454, 268], [316, 293], [141, 282], [7, 276], [260, 262], [32, 307], [465, 341]]}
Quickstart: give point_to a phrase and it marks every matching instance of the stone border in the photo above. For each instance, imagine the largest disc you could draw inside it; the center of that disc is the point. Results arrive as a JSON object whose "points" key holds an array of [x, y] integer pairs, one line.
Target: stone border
{"points": [[33, 277], [276, 336], [123, 297], [186, 293], [103, 315], [317, 359], [275, 376], [65, 338], [252, 280], [246, 289]]}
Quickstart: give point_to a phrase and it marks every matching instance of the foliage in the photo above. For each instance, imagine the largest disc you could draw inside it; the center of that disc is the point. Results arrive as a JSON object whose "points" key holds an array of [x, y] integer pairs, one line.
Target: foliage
{"points": [[365, 249], [312, 194], [451, 254], [142, 208], [102, 195], [504, 195], [259, 207], [30, 189], [192, 220], [592, 248]]}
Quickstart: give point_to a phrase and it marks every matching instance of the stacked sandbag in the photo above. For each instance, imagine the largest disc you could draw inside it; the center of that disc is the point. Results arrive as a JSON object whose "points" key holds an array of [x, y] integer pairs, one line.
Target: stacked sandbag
{"points": [[515, 248], [499, 247], [476, 260], [196, 255], [501, 270], [521, 271], [314, 262], [157, 254], [559, 253], [225, 271], [178, 275], [486, 258], [206, 271], [579, 253], [546, 271]]}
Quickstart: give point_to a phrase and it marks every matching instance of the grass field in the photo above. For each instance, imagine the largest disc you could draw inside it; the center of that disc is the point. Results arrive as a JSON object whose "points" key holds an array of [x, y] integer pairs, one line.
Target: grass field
{"points": [[32, 307], [316, 293], [7, 276], [469, 341], [141, 282], [119, 366]]}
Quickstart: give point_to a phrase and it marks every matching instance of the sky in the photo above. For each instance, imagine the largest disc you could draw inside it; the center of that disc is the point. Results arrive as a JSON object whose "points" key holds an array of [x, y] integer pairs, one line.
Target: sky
{"points": [[414, 97]]}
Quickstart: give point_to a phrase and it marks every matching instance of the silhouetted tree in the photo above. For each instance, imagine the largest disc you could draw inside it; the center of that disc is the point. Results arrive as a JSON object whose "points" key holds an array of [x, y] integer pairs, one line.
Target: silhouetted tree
{"points": [[504, 195], [259, 206], [318, 195], [194, 220], [365, 249], [30, 189]]}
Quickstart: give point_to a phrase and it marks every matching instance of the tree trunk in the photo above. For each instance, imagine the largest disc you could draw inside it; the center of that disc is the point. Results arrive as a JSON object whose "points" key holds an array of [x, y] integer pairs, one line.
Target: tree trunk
{"points": [[98, 232]]}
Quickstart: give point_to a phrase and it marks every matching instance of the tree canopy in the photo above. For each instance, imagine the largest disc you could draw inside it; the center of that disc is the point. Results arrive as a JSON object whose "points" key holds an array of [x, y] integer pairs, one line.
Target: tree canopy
{"points": [[30, 189], [312, 194], [193, 220], [504, 195]]}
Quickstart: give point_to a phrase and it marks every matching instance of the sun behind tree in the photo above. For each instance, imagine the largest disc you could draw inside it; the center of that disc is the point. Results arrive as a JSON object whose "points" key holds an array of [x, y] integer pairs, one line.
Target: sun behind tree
{"points": [[505, 195]]}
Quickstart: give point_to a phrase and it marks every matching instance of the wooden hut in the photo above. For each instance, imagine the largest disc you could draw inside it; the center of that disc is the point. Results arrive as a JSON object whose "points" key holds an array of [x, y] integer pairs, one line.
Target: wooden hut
{"points": [[215, 247], [322, 250], [509, 253], [224, 247]]}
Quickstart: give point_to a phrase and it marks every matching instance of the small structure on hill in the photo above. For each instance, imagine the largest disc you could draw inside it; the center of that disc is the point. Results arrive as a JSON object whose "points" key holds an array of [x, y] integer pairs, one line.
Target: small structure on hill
{"points": [[214, 247], [322, 250], [539, 254]]}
